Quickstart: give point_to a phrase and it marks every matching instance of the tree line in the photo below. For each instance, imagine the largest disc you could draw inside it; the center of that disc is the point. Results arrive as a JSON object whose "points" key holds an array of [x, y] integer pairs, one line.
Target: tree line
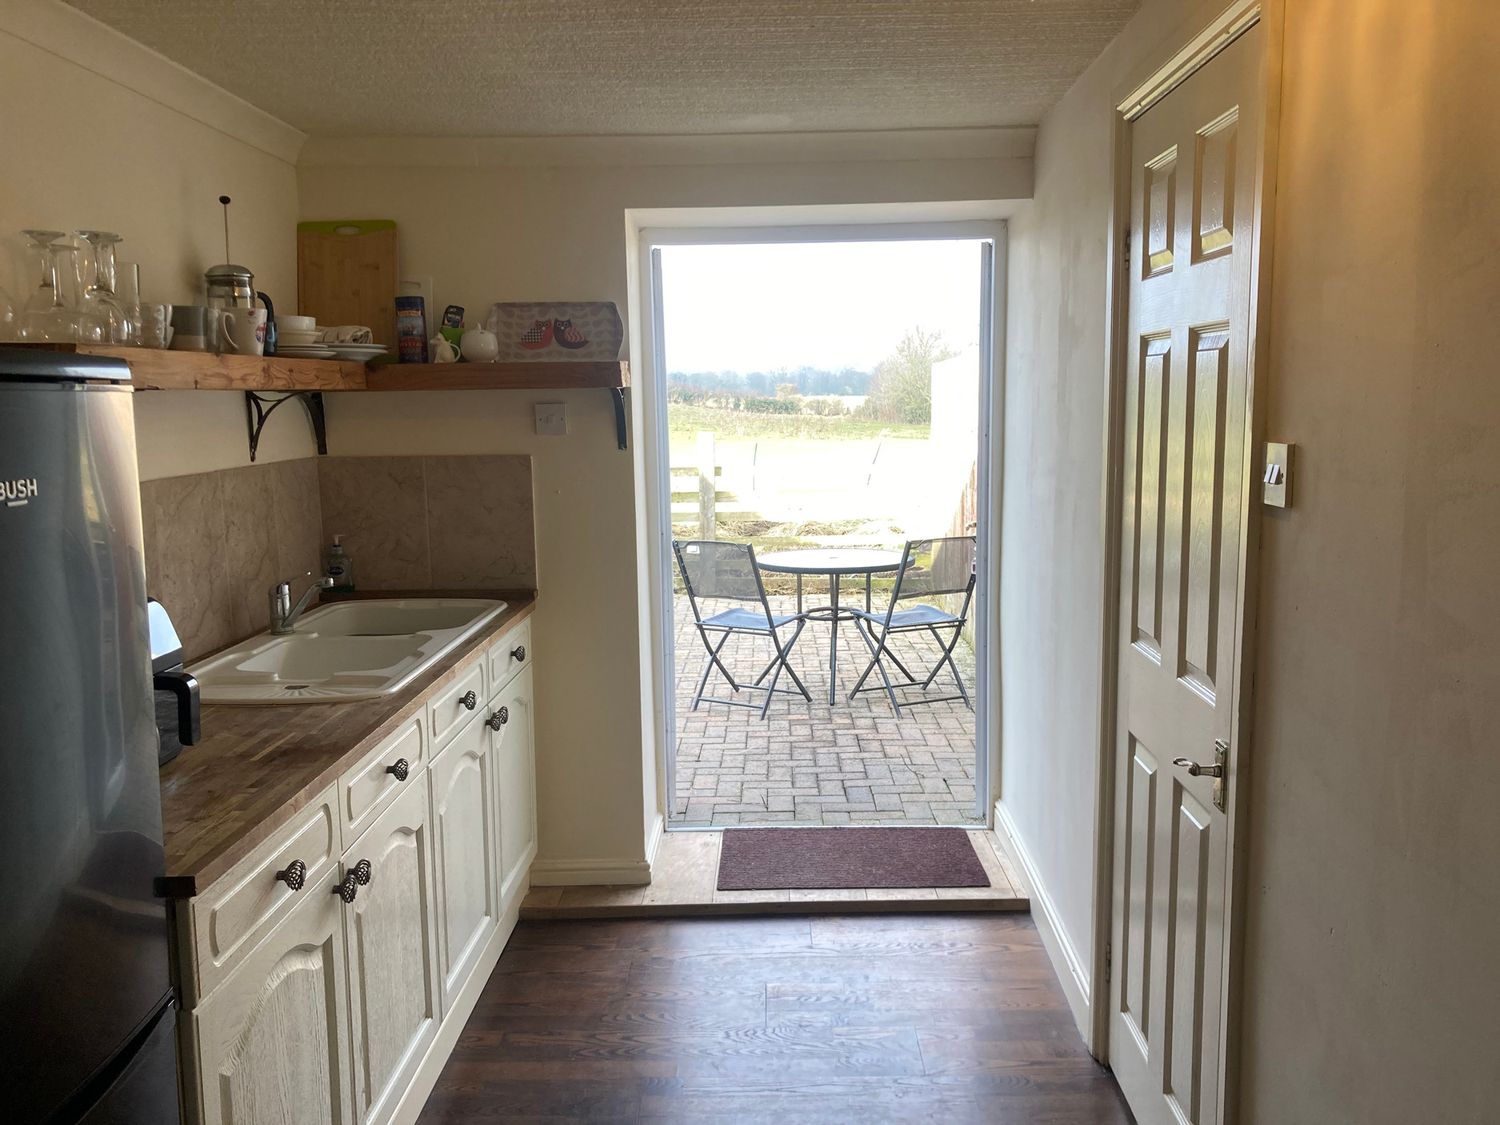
{"points": [[898, 390], [807, 380]]}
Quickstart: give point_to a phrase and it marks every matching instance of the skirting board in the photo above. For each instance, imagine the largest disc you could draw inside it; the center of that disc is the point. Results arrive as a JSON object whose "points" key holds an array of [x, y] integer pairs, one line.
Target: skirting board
{"points": [[653, 838], [456, 1018], [590, 873], [1070, 967], [599, 872]]}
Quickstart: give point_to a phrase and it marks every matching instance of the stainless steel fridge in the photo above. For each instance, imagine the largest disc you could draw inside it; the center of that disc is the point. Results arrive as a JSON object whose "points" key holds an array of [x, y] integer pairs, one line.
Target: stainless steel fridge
{"points": [[87, 1025]]}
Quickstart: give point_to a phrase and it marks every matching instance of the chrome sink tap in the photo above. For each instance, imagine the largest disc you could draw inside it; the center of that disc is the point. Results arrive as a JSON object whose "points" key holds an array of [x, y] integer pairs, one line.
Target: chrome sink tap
{"points": [[283, 613]]}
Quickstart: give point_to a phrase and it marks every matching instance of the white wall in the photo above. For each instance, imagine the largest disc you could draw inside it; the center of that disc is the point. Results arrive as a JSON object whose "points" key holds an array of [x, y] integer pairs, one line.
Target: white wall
{"points": [[1373, 906], [522, 220], [1052, 499], [98, 131]]}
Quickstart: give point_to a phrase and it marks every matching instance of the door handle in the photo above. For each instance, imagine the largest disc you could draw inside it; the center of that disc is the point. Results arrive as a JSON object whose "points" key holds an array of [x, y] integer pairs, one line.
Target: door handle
{"points": [[1219, 771], [1198, 768]]}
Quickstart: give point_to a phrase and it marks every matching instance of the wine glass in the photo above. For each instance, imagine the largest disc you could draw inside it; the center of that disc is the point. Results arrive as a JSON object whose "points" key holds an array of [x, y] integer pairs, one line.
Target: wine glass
{"points": [[7, 317], [42, 296], [74, 275], [99, 299], [128, 294], [57, 323]]}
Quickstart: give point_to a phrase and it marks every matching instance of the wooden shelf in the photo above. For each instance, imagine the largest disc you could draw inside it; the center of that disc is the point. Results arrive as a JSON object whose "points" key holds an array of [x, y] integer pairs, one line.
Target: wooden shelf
{"points": [[522, 375], [152, 369]]}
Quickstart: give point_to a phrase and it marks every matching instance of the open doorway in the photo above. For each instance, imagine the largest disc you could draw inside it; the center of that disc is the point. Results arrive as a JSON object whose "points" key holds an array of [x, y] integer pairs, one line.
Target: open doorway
{"points": [[821, 447]]}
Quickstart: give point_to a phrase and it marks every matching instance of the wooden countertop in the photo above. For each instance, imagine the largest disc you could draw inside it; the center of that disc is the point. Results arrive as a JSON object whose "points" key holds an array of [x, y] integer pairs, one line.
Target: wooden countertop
{"points": [[257, 766]]}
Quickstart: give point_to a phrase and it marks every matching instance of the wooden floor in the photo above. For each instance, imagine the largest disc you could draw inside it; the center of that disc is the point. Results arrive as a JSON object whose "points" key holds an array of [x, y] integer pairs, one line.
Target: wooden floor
{"points": [[864, 1019], [686, 869]]}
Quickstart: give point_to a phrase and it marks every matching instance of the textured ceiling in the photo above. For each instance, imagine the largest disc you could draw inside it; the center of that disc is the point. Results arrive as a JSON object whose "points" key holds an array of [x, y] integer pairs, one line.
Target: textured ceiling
{"points": [[613, 67]]}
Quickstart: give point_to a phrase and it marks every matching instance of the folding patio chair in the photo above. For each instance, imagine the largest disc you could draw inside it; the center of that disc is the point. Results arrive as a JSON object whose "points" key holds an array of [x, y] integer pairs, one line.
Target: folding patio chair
{"points": [[715, 570], [929, 568]]}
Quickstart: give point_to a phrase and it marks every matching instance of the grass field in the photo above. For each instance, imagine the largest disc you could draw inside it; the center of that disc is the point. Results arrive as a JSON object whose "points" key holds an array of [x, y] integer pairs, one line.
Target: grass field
{"points": [[684, 421], [807, 481]]}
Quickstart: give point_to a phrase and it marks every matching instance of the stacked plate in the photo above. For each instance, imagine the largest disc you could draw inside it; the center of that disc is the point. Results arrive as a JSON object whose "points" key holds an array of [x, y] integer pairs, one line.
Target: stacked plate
{"points": [[361, 353], [300, 337]]}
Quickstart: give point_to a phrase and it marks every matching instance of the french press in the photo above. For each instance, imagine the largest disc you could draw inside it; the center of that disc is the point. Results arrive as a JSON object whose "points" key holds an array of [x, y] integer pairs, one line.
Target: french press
{"points": [[233, 287]]}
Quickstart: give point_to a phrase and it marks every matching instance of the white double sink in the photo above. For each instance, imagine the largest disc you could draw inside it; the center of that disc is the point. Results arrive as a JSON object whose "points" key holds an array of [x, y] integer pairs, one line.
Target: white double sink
{"points": [[344, 651]]}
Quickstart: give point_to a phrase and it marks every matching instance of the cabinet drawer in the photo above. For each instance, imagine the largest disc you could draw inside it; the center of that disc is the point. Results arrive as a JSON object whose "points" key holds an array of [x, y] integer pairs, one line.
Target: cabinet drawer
{"points": [[369, 787], [245, 903], [456, 704], [510, 654]]}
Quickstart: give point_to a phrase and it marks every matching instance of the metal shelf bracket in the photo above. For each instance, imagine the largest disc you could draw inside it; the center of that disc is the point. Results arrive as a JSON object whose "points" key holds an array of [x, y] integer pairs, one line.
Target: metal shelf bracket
{"points": [[259, 408], [616, 393]]}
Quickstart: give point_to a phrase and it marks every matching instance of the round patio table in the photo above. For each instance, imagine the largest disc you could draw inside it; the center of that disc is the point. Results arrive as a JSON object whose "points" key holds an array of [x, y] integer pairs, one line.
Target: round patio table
{"points": [[834, 562]]}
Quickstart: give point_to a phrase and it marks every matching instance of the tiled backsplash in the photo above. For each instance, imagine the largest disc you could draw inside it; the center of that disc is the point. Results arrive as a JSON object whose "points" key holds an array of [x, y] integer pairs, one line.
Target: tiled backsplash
{"points": [[439, 523], [216, 542]]}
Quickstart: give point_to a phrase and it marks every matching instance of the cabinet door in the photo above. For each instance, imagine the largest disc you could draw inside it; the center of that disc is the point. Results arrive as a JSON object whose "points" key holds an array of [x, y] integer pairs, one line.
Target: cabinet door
{"points": [[393, 974], [271, 1041], [515, 774], [464, 845]]}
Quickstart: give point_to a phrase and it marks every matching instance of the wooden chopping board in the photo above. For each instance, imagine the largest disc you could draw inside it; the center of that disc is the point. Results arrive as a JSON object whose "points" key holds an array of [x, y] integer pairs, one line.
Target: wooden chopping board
{"points": [[346, 274]]}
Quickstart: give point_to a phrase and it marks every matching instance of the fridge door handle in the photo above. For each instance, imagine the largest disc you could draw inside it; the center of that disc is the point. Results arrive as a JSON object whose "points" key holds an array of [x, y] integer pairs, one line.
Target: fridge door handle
{"points": [[184, 686]]}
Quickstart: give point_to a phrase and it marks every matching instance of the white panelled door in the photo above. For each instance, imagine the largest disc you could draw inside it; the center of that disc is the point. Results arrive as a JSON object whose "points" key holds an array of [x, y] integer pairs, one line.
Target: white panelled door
{"points": [[1185, 492]]}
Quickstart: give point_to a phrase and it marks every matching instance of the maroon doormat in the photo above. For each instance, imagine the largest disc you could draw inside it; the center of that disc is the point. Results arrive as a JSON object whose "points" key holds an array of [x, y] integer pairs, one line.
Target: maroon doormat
{"points": [[772, 859]]}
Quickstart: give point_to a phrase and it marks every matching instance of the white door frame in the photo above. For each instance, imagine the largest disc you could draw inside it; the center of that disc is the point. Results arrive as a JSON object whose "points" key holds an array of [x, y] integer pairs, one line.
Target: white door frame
{"points": [[1196, 49], [696, 231]]}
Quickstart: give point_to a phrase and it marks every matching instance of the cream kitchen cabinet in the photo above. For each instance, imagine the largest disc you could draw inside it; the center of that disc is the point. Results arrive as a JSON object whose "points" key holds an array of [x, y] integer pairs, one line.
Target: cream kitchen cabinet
{"points": [[271, 1042], [330, 971], [465, 831], [511, 743], [394, 1003]]}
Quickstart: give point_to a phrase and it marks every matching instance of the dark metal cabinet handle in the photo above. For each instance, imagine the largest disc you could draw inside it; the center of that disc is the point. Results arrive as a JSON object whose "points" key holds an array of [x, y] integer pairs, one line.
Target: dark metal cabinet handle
{"points": [[295, 875], [468, 701], [498, 719], [518, 654], [348, 889], [401, 770], [362, 872]]}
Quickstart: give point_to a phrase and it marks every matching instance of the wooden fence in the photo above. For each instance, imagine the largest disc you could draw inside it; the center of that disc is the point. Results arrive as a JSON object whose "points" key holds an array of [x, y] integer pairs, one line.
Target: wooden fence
{"points": [[695, 488]]}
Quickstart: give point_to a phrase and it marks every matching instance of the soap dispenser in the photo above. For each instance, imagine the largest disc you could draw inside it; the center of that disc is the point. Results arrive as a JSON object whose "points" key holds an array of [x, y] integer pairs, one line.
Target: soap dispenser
{"points": [[338, 566]]}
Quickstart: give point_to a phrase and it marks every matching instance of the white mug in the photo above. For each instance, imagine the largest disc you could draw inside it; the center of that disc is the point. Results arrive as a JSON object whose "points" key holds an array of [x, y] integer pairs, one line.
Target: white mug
{"points": [[243, 330]]}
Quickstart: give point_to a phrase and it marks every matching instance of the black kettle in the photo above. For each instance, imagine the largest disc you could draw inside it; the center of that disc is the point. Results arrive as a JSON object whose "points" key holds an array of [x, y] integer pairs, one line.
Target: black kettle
{"points": [[178, 711]]}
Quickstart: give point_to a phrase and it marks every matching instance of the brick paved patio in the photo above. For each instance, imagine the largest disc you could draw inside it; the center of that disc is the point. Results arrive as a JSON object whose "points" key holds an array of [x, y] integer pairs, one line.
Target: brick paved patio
{"points": [[807, 763]]}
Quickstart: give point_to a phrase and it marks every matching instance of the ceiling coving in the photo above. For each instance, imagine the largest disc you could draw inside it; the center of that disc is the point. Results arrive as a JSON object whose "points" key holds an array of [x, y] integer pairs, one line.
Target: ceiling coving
{"points": [[626, 67]]}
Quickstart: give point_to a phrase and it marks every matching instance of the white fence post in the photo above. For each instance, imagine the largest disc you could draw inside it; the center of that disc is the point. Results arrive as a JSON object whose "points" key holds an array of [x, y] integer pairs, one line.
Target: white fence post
{"points": [[707, 485]]}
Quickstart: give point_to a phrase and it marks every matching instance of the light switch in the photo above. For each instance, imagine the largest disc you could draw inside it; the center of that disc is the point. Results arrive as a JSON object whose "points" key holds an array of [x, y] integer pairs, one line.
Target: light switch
{"points": [[551, 418], [1276, 480]]}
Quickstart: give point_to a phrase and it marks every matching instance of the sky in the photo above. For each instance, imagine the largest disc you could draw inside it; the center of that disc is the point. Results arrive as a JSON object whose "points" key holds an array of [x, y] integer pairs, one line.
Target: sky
{"points": [[826, 305]]}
